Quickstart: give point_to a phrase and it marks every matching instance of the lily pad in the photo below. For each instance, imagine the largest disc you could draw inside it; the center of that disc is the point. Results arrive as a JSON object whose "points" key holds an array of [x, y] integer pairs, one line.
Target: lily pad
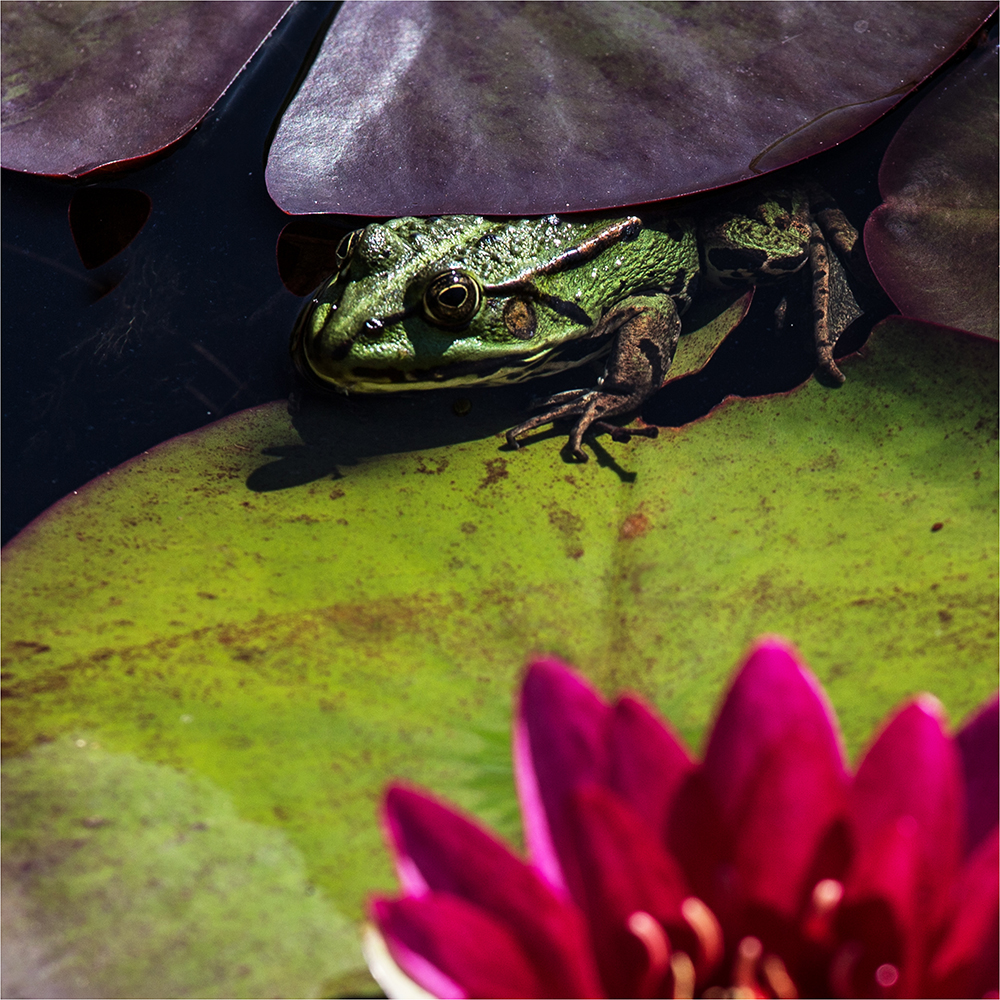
{"points": [[288, 634], [933, 243], [90, 84], [126, 842], [492, 108]]}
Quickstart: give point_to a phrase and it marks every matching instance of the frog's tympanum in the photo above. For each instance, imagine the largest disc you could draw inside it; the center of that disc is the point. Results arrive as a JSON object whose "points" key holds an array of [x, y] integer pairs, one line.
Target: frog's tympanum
{"points": [[462, 300]]}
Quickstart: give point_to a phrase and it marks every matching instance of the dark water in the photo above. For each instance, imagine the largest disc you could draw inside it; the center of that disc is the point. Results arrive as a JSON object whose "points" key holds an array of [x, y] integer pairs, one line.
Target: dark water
{"points": [[195, 324]]}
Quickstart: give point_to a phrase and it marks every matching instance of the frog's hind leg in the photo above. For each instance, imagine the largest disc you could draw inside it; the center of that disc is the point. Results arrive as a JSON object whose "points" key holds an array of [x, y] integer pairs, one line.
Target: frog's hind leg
{"points": [[819, 264], [646, 330], [832, 229]]}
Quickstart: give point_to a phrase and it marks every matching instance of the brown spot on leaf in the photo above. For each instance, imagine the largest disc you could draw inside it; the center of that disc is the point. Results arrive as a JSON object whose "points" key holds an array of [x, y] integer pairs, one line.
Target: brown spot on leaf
{"points": [[496, 469], [944, 616], [569, 525], [634, 526], [30, 647], [337, 494], [436, 467], [565, 521], [469, 528], [937, 526]]}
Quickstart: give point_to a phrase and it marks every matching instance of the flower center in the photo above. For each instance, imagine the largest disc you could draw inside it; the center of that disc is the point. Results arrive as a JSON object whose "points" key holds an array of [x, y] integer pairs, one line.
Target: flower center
{"points": [[654, 939], [818, 923], [755, 974], [751, 966]]}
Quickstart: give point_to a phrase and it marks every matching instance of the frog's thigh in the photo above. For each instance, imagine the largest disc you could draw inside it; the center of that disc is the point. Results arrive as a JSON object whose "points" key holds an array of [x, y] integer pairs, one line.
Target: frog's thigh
{"points": [[647, 335]]}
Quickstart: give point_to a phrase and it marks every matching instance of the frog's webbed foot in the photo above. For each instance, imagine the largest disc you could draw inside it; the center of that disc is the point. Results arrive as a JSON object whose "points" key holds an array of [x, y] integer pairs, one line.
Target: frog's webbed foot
{"points": [[646, 329], [591, 406]]}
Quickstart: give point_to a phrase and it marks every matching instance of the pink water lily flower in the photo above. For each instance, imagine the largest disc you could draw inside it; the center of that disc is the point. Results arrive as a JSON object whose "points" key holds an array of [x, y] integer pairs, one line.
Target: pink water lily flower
{"points": [[765, 870]]}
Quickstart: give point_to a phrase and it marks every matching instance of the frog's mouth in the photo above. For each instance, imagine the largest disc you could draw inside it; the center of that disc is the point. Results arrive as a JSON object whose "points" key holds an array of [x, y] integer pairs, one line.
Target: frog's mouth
{"points": [[489, 371]]}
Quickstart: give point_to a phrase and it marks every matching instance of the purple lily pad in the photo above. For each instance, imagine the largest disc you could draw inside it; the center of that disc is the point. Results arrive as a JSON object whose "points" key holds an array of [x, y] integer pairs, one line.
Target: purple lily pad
{"points": [[933, 242], [424, 108], [86, 85]]}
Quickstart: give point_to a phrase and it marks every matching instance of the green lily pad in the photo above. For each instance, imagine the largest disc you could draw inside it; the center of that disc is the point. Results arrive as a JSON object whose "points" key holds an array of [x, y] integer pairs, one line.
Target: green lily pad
{"points": [[165, 872], [273, 639]]}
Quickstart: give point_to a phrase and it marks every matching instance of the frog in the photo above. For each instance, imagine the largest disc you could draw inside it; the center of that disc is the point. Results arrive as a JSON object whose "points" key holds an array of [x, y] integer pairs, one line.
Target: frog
{"points": [[462, 300]]}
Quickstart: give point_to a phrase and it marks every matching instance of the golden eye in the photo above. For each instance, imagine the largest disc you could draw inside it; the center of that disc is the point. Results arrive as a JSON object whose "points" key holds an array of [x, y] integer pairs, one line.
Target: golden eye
{"points": [[452, 298], [346, 247]]}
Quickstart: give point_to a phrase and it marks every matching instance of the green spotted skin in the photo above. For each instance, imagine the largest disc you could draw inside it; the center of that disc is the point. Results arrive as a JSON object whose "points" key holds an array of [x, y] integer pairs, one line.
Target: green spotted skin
{"points": [[463, 300], [365, 330]]}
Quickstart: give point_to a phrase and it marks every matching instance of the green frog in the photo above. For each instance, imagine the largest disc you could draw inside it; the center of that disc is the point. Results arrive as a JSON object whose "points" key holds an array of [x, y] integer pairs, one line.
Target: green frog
{"points": [[464, 300]]}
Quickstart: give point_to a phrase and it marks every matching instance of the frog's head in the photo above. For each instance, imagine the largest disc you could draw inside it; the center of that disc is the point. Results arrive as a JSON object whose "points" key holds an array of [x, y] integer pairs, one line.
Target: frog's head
{"points": [[767, 241], [420, 303]]}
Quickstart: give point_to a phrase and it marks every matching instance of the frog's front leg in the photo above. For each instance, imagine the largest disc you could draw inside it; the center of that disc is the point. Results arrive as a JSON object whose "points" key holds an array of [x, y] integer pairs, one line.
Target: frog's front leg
{"points": [[646, 329]]}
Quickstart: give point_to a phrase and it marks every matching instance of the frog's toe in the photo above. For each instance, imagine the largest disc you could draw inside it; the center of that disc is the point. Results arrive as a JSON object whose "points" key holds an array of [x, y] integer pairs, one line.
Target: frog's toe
{"points": [[828, 370], [624, 434]]}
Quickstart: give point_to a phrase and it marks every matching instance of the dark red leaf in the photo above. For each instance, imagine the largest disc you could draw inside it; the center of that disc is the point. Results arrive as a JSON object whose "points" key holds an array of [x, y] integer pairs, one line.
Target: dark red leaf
{"points": [[516, 109], [86, 85], [933, 243]]}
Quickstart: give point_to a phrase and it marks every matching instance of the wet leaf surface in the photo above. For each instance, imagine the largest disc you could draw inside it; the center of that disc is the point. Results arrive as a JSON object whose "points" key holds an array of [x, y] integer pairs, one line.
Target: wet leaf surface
{"points": [[90, 84], [266, 613], [933, 244], [502, 109]]}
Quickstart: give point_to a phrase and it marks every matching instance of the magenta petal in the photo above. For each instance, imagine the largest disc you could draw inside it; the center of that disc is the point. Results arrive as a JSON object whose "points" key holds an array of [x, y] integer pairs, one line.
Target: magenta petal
{"points": [[775, 769], [773, 699], [965, 964], [454, 855], [647, 762], [622, 868], [978, 744], [878, 919], [787, 832], [912, 773], [442, 942], [560, 740]]}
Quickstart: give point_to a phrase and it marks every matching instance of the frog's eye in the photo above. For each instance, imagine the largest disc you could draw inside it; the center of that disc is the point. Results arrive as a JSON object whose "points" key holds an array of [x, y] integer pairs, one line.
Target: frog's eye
{"points": [[346, 247], [452, 298]]}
